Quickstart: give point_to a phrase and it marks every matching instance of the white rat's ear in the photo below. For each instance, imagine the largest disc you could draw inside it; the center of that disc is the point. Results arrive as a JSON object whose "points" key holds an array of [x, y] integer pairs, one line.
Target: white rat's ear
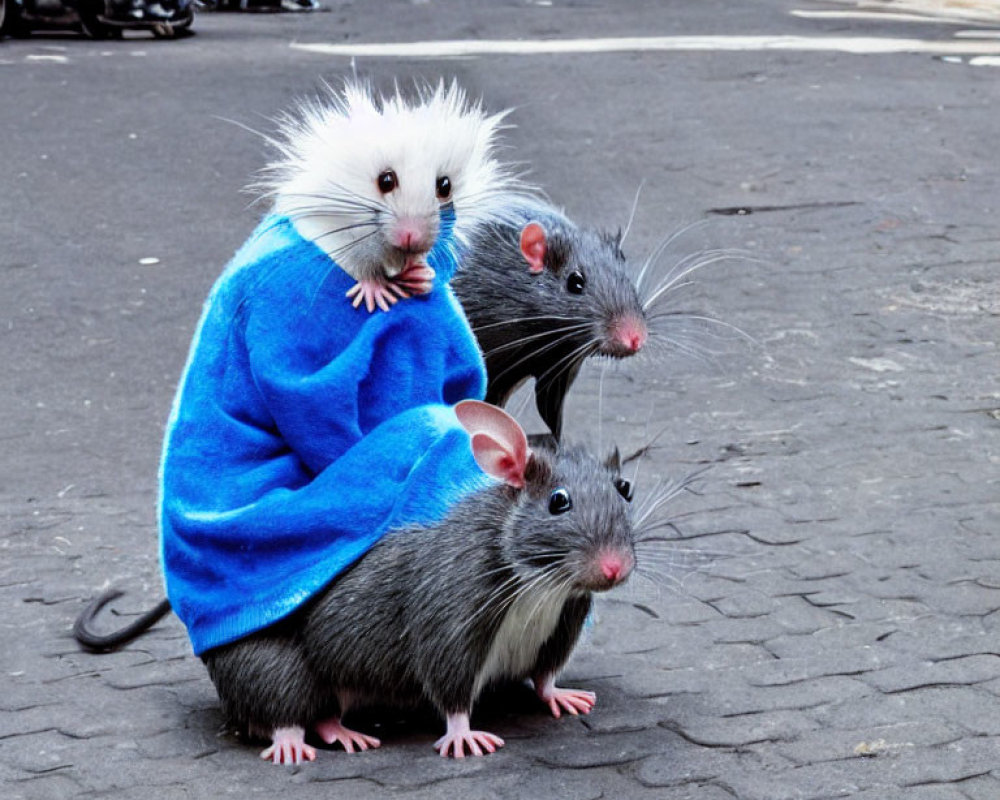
{"points": [[498, 442], [533, 247]]}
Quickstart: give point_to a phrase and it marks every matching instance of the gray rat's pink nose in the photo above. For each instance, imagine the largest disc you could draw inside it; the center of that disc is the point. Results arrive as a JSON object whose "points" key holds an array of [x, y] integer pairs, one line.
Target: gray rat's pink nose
{"points": [[614, 566], [631, 334]]}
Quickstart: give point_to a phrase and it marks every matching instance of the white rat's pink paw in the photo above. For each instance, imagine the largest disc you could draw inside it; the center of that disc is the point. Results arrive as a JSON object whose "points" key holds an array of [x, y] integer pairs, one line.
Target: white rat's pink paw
{"points": [[416, 277], [573, 701], [332, 730], [458, 737], [288, 746], [375, 292]]}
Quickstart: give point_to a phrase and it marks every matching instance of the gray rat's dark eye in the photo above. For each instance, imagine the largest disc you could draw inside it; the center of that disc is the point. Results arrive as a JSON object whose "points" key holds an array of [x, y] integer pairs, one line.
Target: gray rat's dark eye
{"points": [[624, 489], [560, 502], [387, 181], [443, 187], [576, 282]]}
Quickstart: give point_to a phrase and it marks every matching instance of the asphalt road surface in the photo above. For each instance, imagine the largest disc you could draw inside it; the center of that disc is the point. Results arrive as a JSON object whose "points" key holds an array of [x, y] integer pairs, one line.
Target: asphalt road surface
{"points": [[823, 620]]}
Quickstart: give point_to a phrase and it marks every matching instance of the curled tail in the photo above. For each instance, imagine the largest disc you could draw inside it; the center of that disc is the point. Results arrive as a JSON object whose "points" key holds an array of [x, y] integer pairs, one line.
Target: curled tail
{"points": [[104, 643]]}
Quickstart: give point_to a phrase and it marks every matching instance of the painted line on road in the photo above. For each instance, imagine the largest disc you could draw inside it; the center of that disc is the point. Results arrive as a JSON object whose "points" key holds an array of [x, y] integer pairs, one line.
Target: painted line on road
{"points": [[859, 45], [878, 16]]}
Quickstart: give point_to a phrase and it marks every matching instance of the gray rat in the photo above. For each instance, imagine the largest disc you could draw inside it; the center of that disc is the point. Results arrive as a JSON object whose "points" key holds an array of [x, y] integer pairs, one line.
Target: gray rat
{"points": [[498, 590], [543, 294]]}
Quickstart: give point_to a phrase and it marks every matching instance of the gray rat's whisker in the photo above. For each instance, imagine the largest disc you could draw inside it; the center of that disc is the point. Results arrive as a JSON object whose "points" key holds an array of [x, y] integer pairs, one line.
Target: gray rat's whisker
{"points": [[722, 324], [520, 591], [564, 331], [547, 593], [520, 587], [517, 320], [662, 246], [700, 258], [631, 216], [660, 578], [665, 495], [688, 265], [582, 349], [682, 270], [576, 354], [692, 350]]}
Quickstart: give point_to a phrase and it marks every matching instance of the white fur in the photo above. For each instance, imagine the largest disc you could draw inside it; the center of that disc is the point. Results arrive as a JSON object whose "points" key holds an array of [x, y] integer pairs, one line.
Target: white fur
{"points": [[331, 154], [528, 623]]}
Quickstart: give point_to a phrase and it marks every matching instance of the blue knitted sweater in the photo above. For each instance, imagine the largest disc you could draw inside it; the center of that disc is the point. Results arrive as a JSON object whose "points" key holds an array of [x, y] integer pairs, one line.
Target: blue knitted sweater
{"points": [[303, 429]]}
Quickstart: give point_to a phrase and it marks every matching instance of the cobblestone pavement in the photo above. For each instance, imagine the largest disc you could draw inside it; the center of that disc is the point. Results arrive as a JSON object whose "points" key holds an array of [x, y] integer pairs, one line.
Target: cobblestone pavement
{"points": [[824, 621]]}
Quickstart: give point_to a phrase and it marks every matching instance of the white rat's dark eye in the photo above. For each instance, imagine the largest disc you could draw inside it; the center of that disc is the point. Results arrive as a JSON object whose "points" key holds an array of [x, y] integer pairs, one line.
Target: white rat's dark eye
{"points": [[624, 489], [443, 187], [387, 181], [576, 282], [560, 502]]}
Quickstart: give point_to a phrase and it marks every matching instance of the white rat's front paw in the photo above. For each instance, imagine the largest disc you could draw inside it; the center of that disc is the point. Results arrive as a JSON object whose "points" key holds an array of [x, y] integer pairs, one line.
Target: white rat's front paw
{"points": [[376, 292], [416, 277]]}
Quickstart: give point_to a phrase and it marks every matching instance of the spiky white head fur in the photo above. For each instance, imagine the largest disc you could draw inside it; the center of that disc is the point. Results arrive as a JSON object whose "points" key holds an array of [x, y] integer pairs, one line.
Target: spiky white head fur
{"points": [[332, 154]]}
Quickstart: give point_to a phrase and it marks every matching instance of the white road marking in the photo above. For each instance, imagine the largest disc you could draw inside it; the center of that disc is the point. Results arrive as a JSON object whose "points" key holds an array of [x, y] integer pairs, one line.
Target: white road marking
{"points": [[869, 15], [54, 59], [858, 45], [985, 61]]}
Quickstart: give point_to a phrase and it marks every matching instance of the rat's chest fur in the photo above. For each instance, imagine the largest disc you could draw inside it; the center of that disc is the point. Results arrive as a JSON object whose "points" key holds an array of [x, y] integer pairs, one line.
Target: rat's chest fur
{"points": [[528, 623]]}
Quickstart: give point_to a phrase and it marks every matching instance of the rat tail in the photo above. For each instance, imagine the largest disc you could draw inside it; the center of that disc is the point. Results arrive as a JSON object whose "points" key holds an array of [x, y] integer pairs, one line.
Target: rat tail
{"points": [[104, 643]]}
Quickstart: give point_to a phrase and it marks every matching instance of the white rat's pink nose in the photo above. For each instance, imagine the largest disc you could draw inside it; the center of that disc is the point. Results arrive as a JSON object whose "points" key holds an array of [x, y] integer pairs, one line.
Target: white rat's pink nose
{"points": [[410, 236]]}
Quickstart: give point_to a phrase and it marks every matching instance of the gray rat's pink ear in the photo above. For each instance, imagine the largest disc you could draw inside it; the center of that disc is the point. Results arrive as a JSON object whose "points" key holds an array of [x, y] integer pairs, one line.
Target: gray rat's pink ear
{"points": [[498, 442], [533, 247]]}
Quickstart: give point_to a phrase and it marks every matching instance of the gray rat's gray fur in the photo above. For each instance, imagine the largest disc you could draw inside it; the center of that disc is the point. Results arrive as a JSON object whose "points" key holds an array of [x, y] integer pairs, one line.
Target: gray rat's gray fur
{"points": [[530, 325], [415, 619]]}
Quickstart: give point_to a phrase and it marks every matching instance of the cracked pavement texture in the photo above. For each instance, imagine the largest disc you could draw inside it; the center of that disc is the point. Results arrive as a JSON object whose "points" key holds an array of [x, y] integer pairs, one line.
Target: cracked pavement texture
{"points": [[822, 621]]}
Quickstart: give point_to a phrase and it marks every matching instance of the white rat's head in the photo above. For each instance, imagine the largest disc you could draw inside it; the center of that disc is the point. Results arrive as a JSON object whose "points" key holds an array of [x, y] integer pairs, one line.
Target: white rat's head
{"points": [[369, 179]]}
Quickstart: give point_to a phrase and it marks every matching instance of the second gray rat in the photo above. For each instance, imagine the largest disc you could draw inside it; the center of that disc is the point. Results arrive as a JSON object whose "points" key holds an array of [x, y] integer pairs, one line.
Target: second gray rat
{"points": [[543, 294], [497, 591]]}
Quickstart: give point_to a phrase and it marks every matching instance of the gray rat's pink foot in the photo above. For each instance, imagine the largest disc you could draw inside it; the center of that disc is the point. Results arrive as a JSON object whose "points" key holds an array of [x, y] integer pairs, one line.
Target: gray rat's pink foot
{"points": [[459, 736], [375, 292], [575, 701], [288, 746], [332, 730]]}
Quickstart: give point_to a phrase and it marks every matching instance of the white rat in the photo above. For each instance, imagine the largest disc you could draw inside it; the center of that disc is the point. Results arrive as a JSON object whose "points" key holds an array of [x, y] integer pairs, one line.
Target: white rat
{"points": [[377, 182]]}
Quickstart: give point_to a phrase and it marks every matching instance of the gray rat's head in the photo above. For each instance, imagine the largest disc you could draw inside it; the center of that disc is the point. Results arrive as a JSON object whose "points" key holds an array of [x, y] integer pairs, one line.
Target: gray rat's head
{"points": [[565, 289], [567, 522], [583, 274], [572, 521]]}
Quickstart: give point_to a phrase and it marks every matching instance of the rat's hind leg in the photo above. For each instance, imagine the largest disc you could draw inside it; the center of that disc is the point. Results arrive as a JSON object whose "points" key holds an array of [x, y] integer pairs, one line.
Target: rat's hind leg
{"points": [[332, 730], [288, 746], [267, 687]]}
